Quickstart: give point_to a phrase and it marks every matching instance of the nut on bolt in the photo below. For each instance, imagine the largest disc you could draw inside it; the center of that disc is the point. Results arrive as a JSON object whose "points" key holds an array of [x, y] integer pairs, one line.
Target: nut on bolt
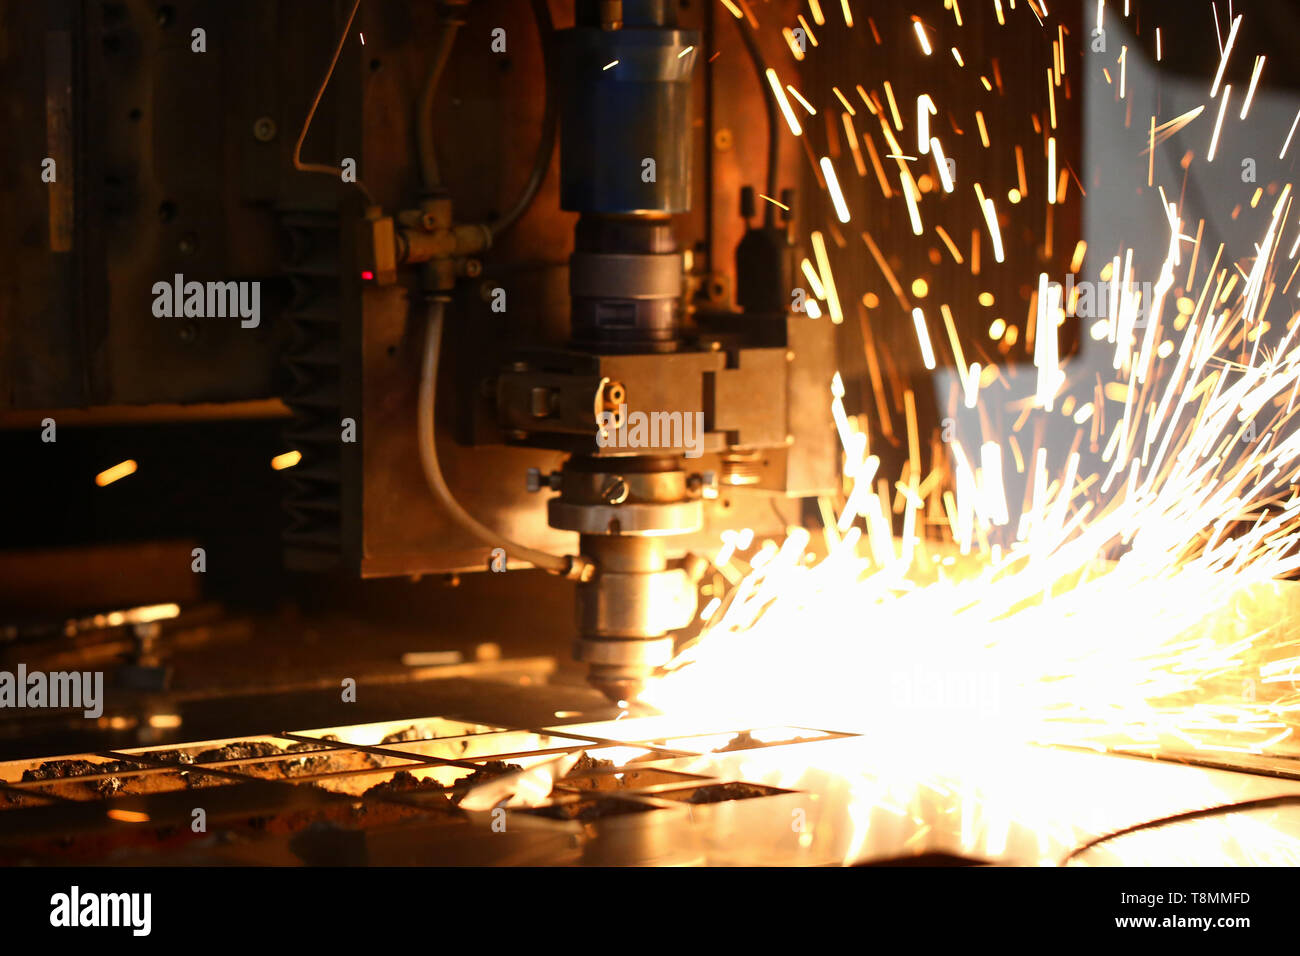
{"points": [[701, 481], [612, 395], [537, 481]]}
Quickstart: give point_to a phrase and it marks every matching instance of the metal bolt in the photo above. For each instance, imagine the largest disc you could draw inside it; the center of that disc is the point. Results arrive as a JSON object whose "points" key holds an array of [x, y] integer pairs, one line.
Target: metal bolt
{"points": [[539, 401], [537, 481], [264, 129], [615, 490], [698, 482]]}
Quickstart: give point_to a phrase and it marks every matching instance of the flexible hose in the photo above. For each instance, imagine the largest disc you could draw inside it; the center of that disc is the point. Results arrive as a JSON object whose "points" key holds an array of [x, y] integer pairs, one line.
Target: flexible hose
{"points": [[298, 164], [546, 145], [430, 175], [773, 143], [429, 455]]}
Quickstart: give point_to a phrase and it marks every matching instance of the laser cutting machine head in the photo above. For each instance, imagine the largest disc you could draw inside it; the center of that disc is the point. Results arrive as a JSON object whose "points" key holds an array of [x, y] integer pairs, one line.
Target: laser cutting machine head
{"points": [[664, 404]]}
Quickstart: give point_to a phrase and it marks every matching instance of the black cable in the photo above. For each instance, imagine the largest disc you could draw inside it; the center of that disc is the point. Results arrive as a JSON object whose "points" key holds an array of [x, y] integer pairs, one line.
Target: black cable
{"points": [[1259, 804], [298, 164], [769, 100], [545, 146]]}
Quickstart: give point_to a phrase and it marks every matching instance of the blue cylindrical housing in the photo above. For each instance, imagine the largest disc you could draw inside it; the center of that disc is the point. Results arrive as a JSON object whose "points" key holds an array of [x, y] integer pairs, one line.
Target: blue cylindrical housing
{"points": [[616, 117]]}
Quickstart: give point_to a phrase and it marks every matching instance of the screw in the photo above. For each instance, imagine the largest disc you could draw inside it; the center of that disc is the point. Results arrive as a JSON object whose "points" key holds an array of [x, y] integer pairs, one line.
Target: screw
{"points": [[615, 491]]}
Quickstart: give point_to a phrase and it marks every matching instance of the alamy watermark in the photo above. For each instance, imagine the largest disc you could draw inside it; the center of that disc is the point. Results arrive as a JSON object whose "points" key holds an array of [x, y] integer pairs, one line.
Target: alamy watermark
{"points": [[1088, 299], [56, 689], [622, 429], [209, 300], [77, 908], [964, 691]]}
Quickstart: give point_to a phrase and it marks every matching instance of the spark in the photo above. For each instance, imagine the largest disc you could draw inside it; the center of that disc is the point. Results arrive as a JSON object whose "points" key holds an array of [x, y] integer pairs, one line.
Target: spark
{"points": [[793, 43], [1173, 518], [685, 52], [117, 472], [812, 37], [848, 107], [828, 279], [913, 211], [1223, 58], [923, 337], [812, 110], [610, 65], [1218, 124], [851, 135], [952, 246], [924, 110], [920, 35], [786, 110], [833, 187], [1287, 144], [941, 161], [1254, 81], [1051, 169], [991, 218], [813, 279], [778, 205], [893, 106], [286, 460]]}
